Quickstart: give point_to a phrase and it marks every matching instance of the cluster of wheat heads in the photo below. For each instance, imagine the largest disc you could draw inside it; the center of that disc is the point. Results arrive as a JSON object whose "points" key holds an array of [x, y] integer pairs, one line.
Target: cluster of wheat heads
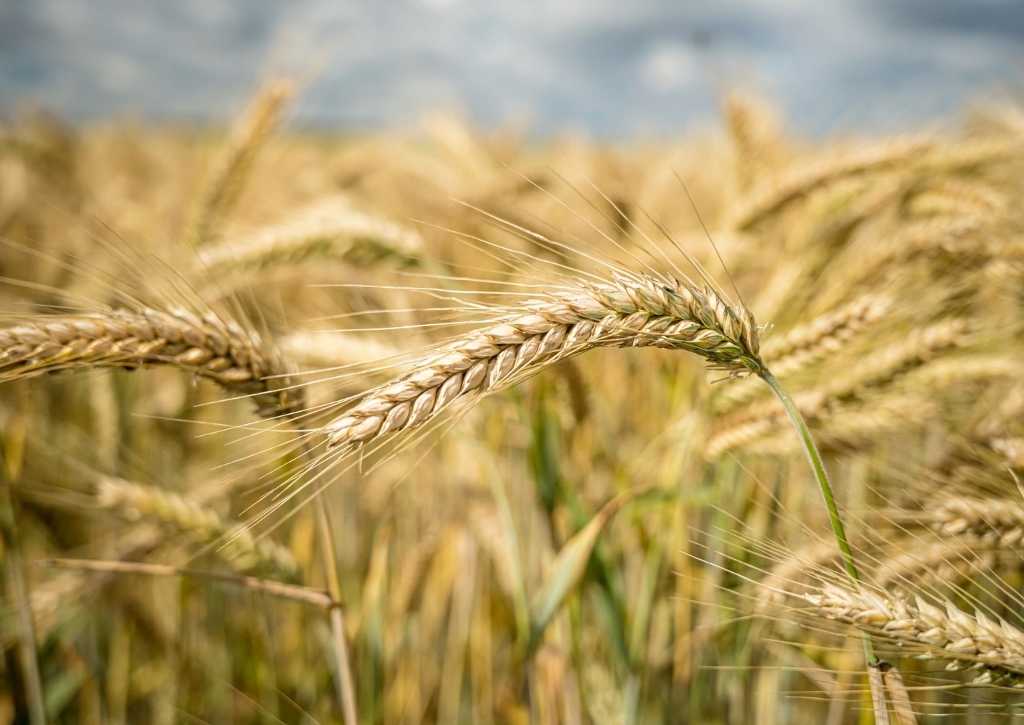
{"points": [[587, 544]]}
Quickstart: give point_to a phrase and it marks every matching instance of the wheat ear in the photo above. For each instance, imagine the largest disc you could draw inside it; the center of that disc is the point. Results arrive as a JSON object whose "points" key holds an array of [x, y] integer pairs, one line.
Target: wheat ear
{"points": [[805, 175], [962, 640], [135, 502], [990, 519], [207, 346], [228, 176], [332, 228], [629, 312]]}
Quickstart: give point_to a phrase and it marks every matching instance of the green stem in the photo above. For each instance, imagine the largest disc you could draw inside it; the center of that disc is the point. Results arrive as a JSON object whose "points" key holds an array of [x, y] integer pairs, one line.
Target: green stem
{"points": [[826, 489]]}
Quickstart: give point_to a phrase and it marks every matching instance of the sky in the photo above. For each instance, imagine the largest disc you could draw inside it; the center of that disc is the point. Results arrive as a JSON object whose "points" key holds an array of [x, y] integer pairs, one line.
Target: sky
{"points": [[609, 68]]}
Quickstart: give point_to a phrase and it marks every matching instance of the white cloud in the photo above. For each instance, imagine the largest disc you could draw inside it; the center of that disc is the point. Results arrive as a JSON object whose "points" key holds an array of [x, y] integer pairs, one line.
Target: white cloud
{"points": [[668, 67]]}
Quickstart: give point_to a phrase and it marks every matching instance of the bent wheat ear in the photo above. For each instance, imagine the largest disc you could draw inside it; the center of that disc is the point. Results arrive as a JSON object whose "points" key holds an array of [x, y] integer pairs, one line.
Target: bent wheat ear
{"points": [[629, 312], [208, 346]]}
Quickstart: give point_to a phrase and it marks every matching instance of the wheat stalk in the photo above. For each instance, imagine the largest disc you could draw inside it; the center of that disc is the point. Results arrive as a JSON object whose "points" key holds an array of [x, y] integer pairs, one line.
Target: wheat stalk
{"points": [[207, 346], [954, 636], [630, 312]]}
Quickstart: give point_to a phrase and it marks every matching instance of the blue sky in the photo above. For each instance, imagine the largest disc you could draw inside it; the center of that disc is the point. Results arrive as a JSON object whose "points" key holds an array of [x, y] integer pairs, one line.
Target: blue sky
{"points": [[611, 68]]}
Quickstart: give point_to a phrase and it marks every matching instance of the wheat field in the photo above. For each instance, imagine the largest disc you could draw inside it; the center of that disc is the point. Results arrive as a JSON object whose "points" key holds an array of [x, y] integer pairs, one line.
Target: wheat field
{"points": [[459, 426]]}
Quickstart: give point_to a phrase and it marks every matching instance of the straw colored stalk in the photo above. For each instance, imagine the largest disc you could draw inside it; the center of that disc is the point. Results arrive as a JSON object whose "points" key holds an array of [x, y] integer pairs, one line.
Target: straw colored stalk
{"points": [[954, 636], [137, 502], [630, 312], [206, 346], [329, 229]]}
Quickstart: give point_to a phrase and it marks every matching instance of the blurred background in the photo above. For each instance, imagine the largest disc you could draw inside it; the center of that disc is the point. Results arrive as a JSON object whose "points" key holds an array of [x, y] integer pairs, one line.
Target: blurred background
{"points": [[613, 541], [612, 69]]}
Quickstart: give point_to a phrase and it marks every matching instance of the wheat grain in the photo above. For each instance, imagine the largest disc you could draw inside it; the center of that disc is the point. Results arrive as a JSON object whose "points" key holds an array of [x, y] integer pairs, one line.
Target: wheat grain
{"points": [[635, 312], [334, 349], [207, 346], [756, 136]]}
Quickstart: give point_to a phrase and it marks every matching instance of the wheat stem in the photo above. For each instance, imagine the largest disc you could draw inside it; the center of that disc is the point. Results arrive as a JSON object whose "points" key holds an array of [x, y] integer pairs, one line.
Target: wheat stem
{"points": [[818, 466], [17, 593], [294, 592], [343, 670]]}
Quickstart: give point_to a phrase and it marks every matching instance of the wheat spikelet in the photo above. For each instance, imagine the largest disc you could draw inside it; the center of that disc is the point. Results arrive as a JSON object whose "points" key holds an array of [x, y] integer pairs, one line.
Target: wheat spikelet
{"points": [[989, 519], [207, 346], [247, 137], [847, 428], [824, 334], [960, 199], [329, 229], [137, 502], [408, 578], [486, 529], [630, 312], [953, 636], [943, 373], [799, 567]]}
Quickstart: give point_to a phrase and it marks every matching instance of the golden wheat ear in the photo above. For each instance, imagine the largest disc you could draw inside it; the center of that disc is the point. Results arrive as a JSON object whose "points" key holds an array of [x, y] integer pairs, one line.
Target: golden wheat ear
{"points": [[207, 346], [629, 312]]}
